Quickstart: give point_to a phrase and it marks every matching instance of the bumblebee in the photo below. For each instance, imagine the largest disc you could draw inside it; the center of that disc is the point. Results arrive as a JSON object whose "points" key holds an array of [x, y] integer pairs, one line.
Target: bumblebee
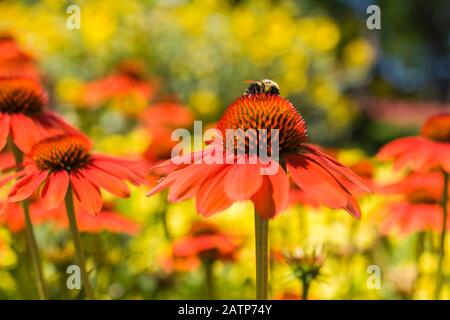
{"points": [[264, 86]]}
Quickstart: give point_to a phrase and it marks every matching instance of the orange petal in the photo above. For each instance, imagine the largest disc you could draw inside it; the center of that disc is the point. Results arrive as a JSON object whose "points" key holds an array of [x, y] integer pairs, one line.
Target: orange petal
{"points": [[26, 186], [107, 181], [4, 130], [188, 180], [211, 196], [333, 167], [54, 190], [242, 181], [396, 147], [316, 181], [263, 201], [280, 187], [25, 132], [86, 193], [119, 170]]}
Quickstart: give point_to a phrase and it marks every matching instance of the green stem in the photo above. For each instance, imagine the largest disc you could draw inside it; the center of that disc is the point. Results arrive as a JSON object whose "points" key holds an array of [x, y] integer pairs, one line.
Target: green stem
{"points": [[305, 289], [164, 218], [209, 279], [439, 272], [262, 256], [29, 234], [34, 252], [77, 244]]}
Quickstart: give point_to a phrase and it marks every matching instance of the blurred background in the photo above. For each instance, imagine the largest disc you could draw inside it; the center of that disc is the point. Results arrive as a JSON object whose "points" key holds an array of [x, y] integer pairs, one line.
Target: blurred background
{"points": [[356, 88]]}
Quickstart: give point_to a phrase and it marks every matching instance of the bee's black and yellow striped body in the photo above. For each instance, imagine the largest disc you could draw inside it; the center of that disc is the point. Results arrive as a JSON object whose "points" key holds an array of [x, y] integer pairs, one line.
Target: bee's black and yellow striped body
{"points": [[264, 86]]}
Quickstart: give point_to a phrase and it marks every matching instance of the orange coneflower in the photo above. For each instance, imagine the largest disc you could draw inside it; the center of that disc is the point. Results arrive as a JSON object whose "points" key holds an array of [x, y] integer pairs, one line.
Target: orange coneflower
{"points": [[429, 151], [204, 245], [126, 85], [24, 120], [418, 208], [14, 61], [160, 120], [206, 241], [106, 220], [64, 163], [23, 116], [217, 185], [422, 153]]}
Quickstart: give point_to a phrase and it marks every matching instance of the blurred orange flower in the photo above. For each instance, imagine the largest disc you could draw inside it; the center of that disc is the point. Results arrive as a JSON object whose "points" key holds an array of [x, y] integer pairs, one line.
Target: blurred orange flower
{"points": [[160, 120], [422, 153], [61, 161], [419, 208], [23, 116], [14, 61], [204, 242], [106, 220], [127, 81]]}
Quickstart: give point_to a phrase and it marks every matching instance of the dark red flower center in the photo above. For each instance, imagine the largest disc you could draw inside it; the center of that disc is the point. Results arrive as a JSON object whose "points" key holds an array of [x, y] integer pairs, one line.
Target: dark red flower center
{"points": [[21, 95], [422, 196], [437, 128], [265, 111], [62, 152]]}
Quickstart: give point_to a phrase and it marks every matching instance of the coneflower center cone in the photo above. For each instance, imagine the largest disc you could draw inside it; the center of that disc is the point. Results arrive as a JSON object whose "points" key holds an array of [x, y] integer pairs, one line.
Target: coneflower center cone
{"points": [[62, 152], [437, 128], [265, 111], [21, 96]]}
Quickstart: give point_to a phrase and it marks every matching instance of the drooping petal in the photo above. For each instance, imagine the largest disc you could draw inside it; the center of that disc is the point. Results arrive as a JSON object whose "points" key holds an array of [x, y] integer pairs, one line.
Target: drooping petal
{"points": [[320, 184], [273, 195], [188, 180], [242, 181], [120, 170], [396, 147], [162, 184], [353, 208], [263, 201], [211, 197], [50, 120], [407, 218], [54, 190], [316, 181], [419, 158], [443, 157], [25, 132], [280, 187], [11, 177], [4, 130], [107, 181], [417, 153], [337, 169], [26, 186], [4, 205], [86, 193], [105, 220]]}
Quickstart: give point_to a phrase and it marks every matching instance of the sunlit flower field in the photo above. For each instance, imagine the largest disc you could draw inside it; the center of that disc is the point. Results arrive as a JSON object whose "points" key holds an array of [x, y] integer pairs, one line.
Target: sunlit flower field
{"points": [[358, 208]]}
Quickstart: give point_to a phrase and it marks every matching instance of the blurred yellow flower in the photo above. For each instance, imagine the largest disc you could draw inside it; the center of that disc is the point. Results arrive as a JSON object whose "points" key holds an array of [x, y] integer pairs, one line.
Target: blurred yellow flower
{"points": [[359, 53], [204, 102]]}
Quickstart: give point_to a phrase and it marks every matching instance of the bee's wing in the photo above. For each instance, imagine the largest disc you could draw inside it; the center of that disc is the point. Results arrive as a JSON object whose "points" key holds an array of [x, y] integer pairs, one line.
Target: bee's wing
{"points": [[249, 81]]}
